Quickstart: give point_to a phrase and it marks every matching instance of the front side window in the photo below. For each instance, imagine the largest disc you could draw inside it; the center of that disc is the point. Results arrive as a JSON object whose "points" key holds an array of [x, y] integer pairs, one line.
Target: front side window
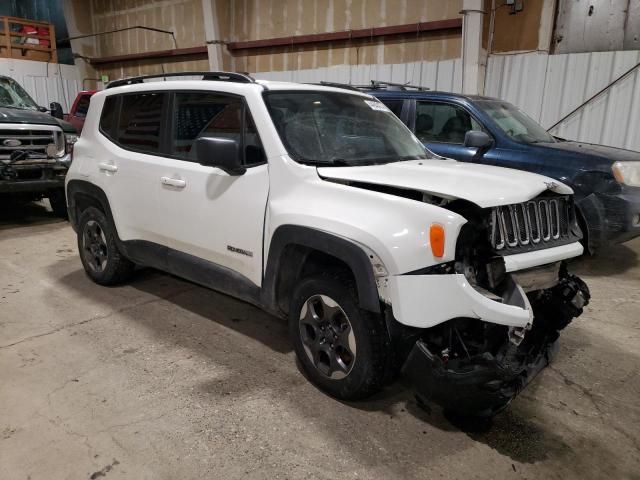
{"points": [[213, 115], [515, 123], [443, 123], [334, 128], [140, 122]]}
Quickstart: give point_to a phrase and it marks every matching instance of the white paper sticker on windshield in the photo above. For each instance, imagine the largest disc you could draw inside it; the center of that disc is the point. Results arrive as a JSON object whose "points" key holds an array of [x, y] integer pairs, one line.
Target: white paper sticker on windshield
{"points": [[375, 105]]}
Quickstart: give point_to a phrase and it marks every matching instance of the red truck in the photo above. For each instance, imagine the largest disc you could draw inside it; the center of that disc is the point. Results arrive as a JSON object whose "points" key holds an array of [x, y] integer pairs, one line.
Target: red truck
{"points": [[79, 109]]}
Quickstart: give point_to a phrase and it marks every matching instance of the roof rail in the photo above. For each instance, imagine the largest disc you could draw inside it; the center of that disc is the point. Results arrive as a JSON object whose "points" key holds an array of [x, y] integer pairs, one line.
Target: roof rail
{"points": [[380, 85], [337, 85], [215, 76]]}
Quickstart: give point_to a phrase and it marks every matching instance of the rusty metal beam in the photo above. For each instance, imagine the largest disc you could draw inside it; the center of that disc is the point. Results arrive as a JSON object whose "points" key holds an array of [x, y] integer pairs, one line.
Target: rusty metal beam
{"points": [[132, 57], [364, 33]]}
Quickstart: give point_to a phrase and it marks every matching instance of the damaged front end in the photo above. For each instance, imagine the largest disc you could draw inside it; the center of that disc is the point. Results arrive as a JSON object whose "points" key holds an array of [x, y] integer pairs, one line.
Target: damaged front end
{"points": [[474, 366]]}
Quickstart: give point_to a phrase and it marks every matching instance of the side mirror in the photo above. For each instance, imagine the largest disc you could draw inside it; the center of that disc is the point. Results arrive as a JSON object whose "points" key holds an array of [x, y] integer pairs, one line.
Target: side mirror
{"points": [[220, 152], [56, 110], [477, 139]]}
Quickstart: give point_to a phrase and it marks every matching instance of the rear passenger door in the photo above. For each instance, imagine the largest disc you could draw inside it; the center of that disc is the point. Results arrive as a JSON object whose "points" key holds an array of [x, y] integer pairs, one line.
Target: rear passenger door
{"points": [[210, 214], [131, 162], [442, 126]]}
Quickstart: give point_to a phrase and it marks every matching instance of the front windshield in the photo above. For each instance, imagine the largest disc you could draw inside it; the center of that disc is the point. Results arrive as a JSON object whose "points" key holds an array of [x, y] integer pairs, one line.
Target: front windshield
{"points": [[340, 129], [13, 95], [514, 122]]}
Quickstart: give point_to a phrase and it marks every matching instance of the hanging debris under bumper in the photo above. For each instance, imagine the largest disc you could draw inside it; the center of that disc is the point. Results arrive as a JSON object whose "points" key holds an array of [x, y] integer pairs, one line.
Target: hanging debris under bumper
{"points": [[473, 367]]}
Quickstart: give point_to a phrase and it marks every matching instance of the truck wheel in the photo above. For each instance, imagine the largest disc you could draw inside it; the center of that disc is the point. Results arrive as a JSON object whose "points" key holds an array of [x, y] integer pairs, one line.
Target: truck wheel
{"points": [[58, 203], [342, 348], [102, 260]]}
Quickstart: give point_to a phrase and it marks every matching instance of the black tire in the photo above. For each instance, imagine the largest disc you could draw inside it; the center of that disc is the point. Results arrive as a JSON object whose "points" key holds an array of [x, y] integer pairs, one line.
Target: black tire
{"points": [[58, 203], [101, 258], [358, 374]]}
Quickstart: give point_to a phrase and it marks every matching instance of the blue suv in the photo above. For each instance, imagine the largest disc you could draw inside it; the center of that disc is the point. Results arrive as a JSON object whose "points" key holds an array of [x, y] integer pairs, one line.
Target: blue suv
{"points": [[489, 131]]}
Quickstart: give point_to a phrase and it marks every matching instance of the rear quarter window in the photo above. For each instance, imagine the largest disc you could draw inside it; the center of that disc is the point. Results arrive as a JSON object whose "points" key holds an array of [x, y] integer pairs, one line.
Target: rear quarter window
{"points": [[109, 116]]}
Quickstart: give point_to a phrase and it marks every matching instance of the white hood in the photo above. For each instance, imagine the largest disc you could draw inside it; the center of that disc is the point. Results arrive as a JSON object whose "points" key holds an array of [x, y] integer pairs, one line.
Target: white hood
{"points": [[484, 185]]}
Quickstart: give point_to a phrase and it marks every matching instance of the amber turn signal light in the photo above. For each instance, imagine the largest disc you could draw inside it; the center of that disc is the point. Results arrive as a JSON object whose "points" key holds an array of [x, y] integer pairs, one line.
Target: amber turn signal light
{"points": [[436, 238]]}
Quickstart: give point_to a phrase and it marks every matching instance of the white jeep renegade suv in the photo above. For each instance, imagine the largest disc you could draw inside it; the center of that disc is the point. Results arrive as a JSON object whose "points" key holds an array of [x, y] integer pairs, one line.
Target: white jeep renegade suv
{"points": [[318, 205]]}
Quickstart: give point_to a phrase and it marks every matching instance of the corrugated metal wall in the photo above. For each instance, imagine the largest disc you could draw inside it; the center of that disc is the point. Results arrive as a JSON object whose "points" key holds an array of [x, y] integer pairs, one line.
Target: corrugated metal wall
{"points": [[596, 26], [437, 75], [548, 87], [45, 82]]}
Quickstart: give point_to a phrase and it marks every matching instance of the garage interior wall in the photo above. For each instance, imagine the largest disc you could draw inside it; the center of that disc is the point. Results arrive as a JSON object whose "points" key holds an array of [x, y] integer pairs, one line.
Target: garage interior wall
{"points": [[253, 20], [243, 20]]}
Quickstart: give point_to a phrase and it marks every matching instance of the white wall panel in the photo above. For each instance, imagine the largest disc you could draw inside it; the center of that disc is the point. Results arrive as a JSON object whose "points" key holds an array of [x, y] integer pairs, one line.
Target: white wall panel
{"points": [[441, 75], [548, 87], [45, 82]]}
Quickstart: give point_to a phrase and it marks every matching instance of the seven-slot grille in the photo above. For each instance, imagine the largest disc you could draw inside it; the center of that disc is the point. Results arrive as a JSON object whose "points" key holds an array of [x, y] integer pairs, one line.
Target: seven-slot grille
{"points": [[538, 223], [33, 139]]}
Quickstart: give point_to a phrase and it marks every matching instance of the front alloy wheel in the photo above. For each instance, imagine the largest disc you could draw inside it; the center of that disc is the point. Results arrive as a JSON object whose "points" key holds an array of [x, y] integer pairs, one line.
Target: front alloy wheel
{"points": [[327, 337], [342, 348]]}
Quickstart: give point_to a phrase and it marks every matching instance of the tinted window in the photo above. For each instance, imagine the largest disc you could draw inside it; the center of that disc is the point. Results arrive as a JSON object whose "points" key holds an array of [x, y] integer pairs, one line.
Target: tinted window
{"points": [[108, 116], [83, 106], [140, 120], [213, 115], [394, 105], [441, 122]]}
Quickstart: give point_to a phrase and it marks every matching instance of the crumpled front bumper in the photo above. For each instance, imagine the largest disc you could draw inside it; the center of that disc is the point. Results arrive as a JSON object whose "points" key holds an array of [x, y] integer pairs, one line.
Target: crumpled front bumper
{"points": [[424, 301]]}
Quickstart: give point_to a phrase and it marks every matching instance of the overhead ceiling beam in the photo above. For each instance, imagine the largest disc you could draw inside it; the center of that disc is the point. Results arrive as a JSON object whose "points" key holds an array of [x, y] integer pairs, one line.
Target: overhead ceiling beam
{"points": [[363, 33], [132, 57]]}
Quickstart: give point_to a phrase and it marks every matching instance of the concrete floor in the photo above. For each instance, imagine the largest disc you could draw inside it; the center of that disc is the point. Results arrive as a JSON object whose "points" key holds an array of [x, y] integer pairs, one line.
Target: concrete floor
{"points": [[162, 379]]}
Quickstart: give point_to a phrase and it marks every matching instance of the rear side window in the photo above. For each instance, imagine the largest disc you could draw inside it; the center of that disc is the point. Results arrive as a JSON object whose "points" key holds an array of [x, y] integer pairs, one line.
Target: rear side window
{"points": [[109, 116], [213, 115], [140, 122], [83, 106]]}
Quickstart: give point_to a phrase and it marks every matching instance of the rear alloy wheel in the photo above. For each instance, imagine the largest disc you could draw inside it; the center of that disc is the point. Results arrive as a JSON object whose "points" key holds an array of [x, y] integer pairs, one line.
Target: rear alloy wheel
{"points": [[101, 258], [94, 246], [342, 348]]}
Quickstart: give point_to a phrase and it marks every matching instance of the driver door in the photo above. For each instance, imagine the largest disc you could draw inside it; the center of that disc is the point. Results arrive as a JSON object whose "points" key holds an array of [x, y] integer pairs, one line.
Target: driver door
{"points": [[210, 214]]}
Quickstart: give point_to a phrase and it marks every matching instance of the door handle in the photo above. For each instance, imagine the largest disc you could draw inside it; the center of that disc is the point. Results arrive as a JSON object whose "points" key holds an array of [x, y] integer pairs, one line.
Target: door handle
{"points": [[174, 182], [107, 167]]}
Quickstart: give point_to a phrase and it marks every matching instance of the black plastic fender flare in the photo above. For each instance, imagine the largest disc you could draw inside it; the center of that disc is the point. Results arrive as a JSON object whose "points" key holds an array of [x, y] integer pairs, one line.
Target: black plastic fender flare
{"points": [[339, 247]]}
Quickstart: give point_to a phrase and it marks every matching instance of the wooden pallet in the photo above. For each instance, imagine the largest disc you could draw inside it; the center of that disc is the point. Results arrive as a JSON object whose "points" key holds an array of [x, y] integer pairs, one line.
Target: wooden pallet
{"points": [[9, 48]]}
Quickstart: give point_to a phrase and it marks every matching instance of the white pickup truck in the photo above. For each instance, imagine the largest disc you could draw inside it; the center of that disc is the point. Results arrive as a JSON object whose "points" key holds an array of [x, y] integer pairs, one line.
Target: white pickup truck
{"points": [[318, 205]]}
